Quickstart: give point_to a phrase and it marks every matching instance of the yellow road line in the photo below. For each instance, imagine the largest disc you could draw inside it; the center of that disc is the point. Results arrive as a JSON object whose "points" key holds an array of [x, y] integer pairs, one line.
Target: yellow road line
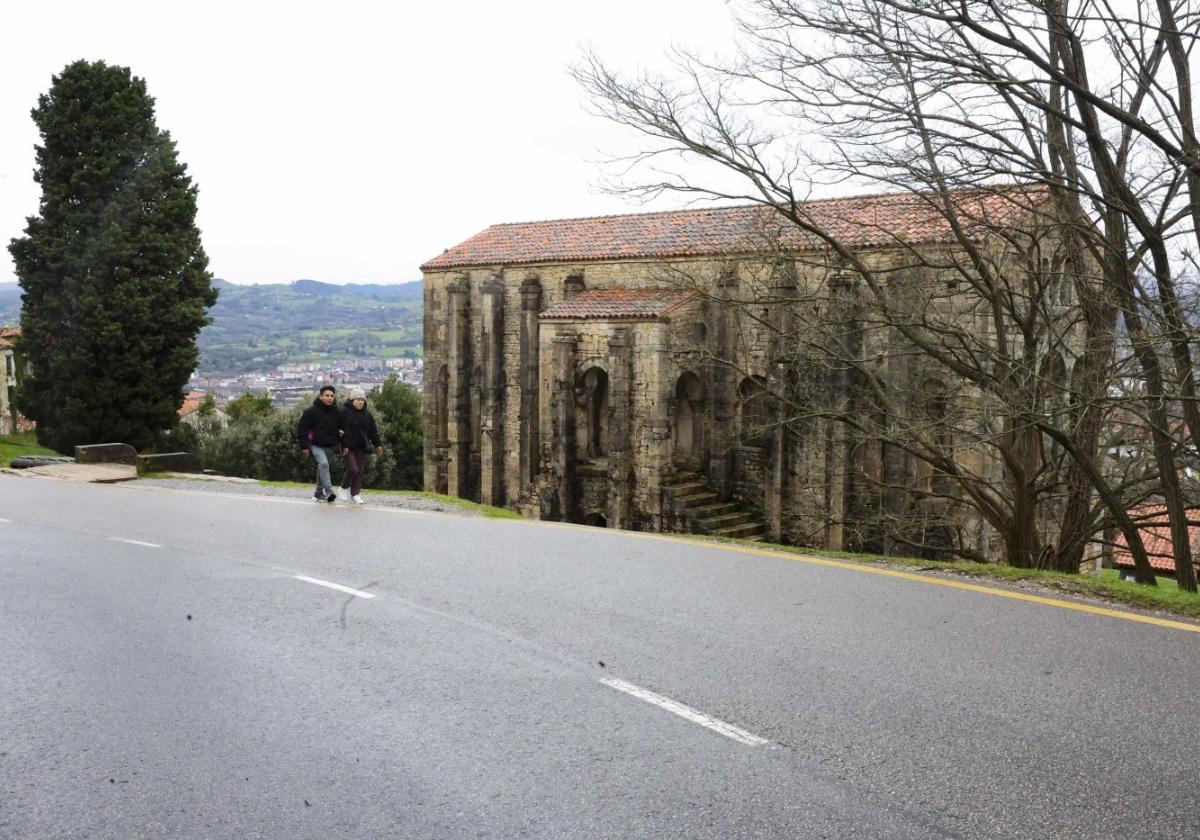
{"points": [[872, 570]]}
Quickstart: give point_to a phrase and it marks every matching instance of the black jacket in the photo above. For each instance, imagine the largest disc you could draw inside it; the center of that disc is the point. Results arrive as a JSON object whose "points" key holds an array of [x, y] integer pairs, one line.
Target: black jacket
{"points": [[359, 426], [324, 422]]}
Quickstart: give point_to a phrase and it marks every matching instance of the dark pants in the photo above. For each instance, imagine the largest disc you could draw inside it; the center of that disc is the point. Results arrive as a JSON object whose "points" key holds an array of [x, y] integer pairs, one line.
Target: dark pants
{"points": [[356, 464]]}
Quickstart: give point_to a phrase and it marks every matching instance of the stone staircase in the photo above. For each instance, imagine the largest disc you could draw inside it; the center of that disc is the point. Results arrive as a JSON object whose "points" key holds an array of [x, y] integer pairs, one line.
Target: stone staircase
{"points": [[702, 512]]}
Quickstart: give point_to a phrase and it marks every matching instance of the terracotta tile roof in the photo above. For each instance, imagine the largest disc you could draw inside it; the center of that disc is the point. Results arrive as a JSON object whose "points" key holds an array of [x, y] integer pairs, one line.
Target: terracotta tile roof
{"points": [[7, 334], [618, 304], [861, 221], [192, 402], [1156, 534]]}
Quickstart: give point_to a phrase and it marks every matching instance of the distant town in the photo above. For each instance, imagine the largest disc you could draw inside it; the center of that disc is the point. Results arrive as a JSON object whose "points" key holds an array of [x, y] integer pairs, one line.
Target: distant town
{"points": [[293, 382]]}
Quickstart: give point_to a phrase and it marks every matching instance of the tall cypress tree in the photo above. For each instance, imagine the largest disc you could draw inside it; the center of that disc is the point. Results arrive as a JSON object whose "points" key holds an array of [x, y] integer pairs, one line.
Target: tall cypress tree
{"points": [[115, 281]]}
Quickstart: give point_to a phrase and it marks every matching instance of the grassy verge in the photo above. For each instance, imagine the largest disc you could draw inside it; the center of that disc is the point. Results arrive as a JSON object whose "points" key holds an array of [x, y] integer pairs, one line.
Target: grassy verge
{"points": [[14, 446], [1166, 597], [483, 510]]}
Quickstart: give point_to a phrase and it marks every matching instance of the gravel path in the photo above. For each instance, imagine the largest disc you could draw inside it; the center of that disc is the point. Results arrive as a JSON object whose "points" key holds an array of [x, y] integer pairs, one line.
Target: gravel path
{"points": [[249, 488]]}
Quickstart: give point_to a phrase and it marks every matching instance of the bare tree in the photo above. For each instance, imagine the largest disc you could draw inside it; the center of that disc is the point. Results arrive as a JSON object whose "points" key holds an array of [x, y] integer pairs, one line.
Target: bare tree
{"points": [[1086, 106]]}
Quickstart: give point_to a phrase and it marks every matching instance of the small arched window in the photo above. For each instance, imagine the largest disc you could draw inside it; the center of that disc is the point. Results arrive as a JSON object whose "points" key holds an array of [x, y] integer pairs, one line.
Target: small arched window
{"points": [[592, 417]]}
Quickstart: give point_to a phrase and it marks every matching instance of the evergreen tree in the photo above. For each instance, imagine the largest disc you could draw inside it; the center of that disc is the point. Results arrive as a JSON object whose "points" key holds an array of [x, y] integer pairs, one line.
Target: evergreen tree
{"points": [[115, 281], [249, 405], [397, 409]]}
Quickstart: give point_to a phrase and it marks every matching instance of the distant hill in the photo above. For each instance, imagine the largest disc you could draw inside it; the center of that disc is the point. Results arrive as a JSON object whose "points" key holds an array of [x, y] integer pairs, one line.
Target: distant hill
{"points": [[10, 304], [257, 327]]}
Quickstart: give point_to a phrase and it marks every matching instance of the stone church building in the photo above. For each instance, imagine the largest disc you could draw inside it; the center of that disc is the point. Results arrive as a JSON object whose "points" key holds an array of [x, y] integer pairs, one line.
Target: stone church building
{"points": [[586, 370]]}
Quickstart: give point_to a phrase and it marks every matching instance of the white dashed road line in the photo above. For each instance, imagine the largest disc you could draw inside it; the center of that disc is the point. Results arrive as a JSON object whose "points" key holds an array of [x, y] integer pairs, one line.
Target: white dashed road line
{"points": [[688, 713], [136, 542], [349, 591], [2, 519]]}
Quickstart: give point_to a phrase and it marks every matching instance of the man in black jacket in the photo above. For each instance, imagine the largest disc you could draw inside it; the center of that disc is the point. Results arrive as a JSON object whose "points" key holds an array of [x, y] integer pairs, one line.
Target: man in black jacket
{"points": [[320, 435]]}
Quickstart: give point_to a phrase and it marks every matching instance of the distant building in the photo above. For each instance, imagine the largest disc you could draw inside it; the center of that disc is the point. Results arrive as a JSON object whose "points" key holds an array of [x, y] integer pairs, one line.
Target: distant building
{"points": [[189, 412], [11, 420]]}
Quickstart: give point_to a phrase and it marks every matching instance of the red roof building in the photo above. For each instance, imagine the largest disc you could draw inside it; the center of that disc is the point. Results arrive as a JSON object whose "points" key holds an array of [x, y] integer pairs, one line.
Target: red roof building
{"points": [[861, 221], [192, 402], [1156, 535]]}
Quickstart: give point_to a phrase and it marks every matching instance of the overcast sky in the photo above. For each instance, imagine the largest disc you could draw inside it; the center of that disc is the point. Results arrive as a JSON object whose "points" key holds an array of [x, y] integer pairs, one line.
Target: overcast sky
{"points": [[350, 142]]}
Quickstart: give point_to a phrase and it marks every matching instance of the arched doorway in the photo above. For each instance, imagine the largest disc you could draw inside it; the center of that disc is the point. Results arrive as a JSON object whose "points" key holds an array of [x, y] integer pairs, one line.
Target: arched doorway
{"points": [[687, 429], [595, 520]]}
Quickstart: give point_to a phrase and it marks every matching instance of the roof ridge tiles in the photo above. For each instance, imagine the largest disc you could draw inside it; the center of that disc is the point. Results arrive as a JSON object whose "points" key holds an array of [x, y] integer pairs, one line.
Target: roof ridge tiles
{"points": [[990, 190], [881, 219]]}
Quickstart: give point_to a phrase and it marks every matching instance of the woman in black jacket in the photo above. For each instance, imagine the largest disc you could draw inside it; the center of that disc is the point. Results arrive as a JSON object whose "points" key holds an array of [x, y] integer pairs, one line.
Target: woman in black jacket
{"points": [[359, 433]]}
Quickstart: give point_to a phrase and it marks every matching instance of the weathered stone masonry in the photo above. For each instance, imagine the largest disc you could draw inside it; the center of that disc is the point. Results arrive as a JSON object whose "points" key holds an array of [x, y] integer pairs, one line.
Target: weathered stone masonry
{"points": [[572, 374]]}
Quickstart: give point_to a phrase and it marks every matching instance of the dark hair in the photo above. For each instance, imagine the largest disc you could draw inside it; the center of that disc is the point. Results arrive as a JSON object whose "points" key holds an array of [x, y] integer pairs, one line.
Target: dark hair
{"points": [[325, 388]]}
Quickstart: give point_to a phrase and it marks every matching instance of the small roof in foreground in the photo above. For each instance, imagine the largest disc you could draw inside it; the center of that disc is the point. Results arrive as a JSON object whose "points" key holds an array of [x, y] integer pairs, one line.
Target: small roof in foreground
{"points": [[860, 221], [1155, 528], [192, 402], [7, 334], [619, 304]]}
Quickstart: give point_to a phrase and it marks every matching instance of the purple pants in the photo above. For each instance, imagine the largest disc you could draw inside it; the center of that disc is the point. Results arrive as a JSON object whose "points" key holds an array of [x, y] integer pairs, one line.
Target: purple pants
{"points": [[356, 464]]}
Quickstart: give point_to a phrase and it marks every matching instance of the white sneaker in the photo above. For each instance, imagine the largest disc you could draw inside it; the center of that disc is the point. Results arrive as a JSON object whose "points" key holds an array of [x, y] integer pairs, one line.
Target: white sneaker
{"points": [[343, 494], [358, 500]]}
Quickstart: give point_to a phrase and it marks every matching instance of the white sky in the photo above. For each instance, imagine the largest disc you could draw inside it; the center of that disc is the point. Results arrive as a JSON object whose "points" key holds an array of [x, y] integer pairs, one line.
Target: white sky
{"points": [[350, 142]]}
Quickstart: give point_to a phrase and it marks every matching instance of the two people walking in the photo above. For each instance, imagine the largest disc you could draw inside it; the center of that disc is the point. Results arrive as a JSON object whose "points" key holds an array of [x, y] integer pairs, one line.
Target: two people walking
{"points": [[326, 429]]}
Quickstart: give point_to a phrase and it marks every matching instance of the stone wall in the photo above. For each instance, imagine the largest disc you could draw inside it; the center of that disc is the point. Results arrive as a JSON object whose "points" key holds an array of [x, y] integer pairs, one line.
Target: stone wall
{"points": [[506, 394]]}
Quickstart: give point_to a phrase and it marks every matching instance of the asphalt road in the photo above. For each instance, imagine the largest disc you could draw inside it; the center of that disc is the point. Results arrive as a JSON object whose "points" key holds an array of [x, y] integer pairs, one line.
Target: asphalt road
{"points": [[164, 673]]}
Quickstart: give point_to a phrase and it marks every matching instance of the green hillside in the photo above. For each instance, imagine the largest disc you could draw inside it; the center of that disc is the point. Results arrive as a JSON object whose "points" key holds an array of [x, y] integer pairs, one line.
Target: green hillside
{"points": [[257, 327], [10, 304]]}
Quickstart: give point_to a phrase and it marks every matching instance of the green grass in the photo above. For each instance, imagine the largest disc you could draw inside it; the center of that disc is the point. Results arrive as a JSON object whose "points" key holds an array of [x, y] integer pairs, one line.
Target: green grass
{"points": [[484, 510], [14, 446], [1166, 597]]}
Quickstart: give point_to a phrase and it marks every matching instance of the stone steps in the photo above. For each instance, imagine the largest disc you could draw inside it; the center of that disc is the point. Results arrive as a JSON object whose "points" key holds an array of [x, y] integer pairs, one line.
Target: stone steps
{"points": [[725, 520], [689, 488], [747, 530], [703, 512], [716, 509], [697, 500]]}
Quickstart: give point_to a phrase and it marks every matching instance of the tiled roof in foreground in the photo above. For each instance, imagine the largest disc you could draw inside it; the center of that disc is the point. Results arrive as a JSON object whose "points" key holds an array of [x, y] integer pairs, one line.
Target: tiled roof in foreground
{"points": [[7, 334], [861, 221], [1155, 528], [618, 304]]}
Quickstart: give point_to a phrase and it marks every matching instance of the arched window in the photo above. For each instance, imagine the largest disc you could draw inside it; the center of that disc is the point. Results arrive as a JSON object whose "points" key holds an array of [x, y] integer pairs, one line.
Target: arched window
{"points": [[752, 412], [592, 412]]}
